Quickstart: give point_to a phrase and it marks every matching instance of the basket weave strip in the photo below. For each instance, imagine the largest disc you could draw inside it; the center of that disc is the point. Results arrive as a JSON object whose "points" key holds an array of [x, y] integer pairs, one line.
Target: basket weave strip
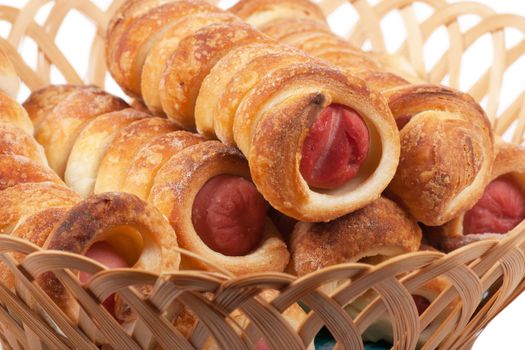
{"points": [[466, 269], [484, 277]]}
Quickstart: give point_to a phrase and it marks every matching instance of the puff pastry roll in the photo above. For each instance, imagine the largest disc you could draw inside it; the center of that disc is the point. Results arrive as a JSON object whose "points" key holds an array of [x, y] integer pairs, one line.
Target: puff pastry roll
{"points": [[302, 24], [446, 139], [319, 143], [370, 235], [497, 212], [380, 230], [117, 230], [446, 152], [212, 203], [63, 124], [27, 184]]}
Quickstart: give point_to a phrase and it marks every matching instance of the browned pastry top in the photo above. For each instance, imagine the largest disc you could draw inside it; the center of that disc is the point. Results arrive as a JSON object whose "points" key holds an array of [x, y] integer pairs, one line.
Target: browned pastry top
{"points": [[41, 102], [15, 141], [12, 113], [446, 151], [132, 45], [192, 62], [302, 8], [16, 169], [510, 160], [28, 198], [380, 228]]}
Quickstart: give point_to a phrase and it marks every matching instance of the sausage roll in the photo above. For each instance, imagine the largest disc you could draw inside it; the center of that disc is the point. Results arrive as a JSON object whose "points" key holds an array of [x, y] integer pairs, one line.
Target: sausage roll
{"points": [[301, 23], [370, 235], [381, 229], [446, 139], [117, 230], [224, 218], [217, 211], [319, 143], [63, 124], [91, 145], [497, 212]]}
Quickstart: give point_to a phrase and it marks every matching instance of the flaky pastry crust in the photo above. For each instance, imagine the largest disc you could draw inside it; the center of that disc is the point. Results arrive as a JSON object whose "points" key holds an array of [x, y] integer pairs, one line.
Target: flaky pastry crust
{"points": [[119, 155], [59, 129], [16, 169], [510, 160], [446, 152], [91, 145], [381, 228], [15, 141], [176, 185], [25, 199], [150, 242], [213, 73], [149, 160]]}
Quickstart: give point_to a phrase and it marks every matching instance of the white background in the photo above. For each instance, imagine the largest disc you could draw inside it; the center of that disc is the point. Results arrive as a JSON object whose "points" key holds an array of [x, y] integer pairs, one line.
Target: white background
{"points": [[506, 331]]}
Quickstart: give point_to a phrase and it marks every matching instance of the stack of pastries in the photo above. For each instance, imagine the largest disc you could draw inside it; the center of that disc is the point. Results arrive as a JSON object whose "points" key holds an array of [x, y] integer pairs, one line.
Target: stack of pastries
{"points": [[266, 141]]}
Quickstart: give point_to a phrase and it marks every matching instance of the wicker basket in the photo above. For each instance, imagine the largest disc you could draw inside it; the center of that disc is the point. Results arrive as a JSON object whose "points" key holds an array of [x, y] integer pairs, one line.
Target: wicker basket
{"points": [[494, 266]]}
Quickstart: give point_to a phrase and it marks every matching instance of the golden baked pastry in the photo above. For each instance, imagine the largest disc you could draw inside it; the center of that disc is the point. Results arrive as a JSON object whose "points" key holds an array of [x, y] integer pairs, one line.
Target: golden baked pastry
{"points": [[225, 218], [500, 209], [118, 230], [446, 138], [380, 230], [209, 72]]}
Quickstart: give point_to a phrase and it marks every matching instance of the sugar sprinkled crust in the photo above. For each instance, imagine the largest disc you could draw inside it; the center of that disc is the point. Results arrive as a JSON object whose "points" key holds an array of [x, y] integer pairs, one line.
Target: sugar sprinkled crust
{"points": [[381, 228], [174, 190], [446, 147], [88, 222], [59, 129], [214, 73], [510, 160]]}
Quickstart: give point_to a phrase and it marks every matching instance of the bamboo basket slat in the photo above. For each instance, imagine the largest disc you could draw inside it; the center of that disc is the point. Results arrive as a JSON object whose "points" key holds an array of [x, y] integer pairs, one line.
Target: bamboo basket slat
{"points": [[497, 266]]}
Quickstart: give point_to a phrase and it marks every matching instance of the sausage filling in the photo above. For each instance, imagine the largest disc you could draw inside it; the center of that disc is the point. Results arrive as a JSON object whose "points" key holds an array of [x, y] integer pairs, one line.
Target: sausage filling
{"points": [[229, 215], [105, 254], [500, 209], [335, 148]]}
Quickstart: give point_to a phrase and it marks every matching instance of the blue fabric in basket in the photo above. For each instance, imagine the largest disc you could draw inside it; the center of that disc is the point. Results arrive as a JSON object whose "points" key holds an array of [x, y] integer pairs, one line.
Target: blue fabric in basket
{"points": [[324, 341]]}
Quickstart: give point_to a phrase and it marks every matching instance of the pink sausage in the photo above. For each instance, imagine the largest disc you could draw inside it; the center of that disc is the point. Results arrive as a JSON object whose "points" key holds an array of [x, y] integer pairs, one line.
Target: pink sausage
{"points": [[335, 148], [500, 209], [229, 215], [106, 255], [262, 345]]}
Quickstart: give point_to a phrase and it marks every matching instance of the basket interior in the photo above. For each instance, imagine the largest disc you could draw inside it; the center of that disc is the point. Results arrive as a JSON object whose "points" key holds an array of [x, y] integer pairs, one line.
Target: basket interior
{"points": [[445, 43]]}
